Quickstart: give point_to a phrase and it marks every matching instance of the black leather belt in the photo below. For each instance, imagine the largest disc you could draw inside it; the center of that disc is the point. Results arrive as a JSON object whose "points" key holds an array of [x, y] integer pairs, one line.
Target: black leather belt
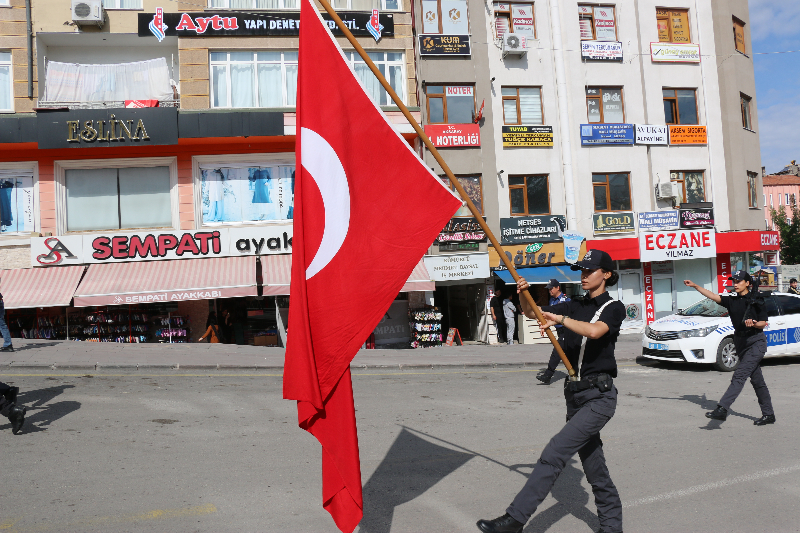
{"points": [[603, 382]]}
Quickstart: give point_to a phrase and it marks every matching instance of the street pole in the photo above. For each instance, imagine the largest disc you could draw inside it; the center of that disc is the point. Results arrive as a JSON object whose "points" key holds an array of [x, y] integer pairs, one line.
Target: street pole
{"points": [[509, 265]]}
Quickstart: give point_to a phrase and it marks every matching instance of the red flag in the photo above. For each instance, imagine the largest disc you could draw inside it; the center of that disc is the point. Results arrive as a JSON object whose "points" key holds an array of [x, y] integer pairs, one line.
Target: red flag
{"points": [[365, 211]]}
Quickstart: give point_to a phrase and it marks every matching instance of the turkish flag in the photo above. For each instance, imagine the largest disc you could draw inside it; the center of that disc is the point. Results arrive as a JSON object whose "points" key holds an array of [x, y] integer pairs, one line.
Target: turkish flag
{"points": [[366, 209]]}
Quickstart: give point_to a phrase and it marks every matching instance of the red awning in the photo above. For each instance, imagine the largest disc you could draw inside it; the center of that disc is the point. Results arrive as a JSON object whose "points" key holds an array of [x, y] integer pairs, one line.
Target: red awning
{"points": [[167, 281], [618, 249], [419, 280], [748, 241], [276, 272], [39, 287]]}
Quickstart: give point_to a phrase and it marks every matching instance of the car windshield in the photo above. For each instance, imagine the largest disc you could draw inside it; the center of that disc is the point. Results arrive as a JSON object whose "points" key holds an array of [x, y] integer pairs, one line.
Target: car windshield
{"points": [[705, 307]]}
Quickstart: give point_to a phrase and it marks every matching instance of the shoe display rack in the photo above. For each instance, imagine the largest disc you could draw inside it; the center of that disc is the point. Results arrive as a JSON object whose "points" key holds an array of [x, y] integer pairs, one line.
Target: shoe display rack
{"points": [[426, 327], [109, 326], [171, 329]]}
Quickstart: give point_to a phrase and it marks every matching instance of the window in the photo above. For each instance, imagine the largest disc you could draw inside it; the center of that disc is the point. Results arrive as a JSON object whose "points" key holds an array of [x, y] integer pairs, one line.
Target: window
{"points": [[780, 199], [752, 199], [235, 193], [529, 195], [391, 65], [6, 82], [771, 204], [680, 106], [691, 184], [471, 184], [787, 199], [745, 102], [604, 105], [254, 4], [450, 104], [16, 202], [673, 25], [445, 16], [597, 23], [514, 18], [738, 35], [118, 198], [612, 192], [253, 79], [366, 5], [522, 105], [122, 4], [789, 305]]}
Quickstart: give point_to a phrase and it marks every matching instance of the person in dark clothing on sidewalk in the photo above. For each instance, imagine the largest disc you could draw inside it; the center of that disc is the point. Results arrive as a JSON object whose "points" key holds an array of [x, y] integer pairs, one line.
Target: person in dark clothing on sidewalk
{"points": [[748, 314], [496, 307], [556, 297], [592, 325], [7, 346], [10, 409]]}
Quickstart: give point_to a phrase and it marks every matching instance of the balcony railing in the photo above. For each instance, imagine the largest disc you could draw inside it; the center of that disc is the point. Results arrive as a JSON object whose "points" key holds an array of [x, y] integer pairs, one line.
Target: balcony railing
{"points": [[113, 104]]}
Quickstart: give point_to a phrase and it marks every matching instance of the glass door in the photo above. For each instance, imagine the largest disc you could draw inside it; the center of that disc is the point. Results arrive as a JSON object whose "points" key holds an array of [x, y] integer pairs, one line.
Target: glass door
{"points": [[663, 297], [630, 294]]}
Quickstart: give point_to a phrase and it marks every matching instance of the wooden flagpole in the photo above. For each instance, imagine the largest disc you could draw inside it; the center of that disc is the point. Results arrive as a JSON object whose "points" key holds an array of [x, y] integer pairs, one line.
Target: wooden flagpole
{"points": [[509, 265]]}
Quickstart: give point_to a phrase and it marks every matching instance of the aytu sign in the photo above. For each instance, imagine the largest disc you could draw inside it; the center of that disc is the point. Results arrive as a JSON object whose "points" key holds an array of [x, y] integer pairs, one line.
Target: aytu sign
{"points": [[676, 245]]}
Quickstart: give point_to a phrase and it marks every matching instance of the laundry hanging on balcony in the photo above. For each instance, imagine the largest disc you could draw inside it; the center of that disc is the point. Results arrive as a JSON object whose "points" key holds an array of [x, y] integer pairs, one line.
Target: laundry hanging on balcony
{"points": [[75, 82]]}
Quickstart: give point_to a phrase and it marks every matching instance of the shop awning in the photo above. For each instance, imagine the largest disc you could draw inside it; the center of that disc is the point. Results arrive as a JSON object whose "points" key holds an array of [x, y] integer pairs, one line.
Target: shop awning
{"points": [[419, 280], [39, 287], [167, 281], [276, 272], [619, 248], [542, 275]]}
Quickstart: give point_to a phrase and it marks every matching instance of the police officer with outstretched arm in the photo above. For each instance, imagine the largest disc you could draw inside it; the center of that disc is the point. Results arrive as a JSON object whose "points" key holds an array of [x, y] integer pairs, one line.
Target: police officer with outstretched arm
{"points": [[556, 297], [749, 317], [592, 327]]}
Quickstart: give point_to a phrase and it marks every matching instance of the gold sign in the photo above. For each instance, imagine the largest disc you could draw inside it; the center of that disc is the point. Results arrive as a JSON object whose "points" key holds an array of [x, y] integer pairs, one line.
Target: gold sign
{"points": [[530, 255], [109, 131]]}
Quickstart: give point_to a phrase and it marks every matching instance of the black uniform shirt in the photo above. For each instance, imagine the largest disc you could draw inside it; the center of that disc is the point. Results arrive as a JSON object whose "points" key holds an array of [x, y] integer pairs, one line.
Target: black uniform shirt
{"points": [[793, 290], [737, 310], [599, 354], [496, 303]]}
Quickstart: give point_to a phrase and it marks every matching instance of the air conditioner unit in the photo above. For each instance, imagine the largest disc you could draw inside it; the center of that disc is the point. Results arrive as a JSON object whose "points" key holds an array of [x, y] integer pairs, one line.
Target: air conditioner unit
{"points": [[88, 12], [514, 44], [668, 190]]}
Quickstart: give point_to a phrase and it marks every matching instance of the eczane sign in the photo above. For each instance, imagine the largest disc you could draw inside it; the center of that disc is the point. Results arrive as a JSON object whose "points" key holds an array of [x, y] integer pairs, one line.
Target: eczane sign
{"points": [[678, 244]]}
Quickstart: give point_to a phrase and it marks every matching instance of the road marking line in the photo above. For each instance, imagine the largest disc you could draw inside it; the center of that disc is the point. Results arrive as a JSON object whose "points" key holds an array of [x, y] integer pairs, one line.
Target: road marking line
{"points": [[711, 486]]}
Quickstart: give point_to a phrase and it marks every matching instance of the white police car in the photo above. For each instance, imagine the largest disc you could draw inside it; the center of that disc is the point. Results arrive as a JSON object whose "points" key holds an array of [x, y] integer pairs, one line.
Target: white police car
{"points": [[703, 333]]}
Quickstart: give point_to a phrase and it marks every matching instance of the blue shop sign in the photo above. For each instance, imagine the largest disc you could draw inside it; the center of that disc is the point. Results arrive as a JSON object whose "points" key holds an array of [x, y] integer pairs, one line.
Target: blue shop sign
{"points": [[658, 220], [592, 134]]}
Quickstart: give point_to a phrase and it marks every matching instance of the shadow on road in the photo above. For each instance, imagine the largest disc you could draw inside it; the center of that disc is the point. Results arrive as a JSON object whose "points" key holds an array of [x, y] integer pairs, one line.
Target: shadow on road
{"points": [[706, 405], [35, 345], [41, 412], [411, 467]]}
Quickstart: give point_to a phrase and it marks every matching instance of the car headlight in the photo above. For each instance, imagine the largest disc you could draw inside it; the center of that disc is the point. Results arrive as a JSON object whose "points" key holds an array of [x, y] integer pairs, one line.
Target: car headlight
{"points": [[702, 332], [647, 331]]}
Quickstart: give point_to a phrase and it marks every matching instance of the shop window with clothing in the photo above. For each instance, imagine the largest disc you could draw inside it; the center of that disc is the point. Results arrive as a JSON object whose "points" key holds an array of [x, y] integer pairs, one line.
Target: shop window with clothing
{"points": [[236, 193], [6, 83], [738, 36], [673, 25], [253, 79], [471, 184], [450, 104], [516, 18], [604, 105], [597, 23], [17, 202], [691, 184], [752, 198], [522, 105], [529, 195], [745, 104], [680, 106], [122, 4], [612, 192], [118, 198], [449, 17]]}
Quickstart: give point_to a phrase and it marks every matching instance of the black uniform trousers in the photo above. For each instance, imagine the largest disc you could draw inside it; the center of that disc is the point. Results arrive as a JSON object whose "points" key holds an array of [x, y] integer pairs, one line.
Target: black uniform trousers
{"points": [[554, 357], [5, 405], [751, 351], [588, 412]]}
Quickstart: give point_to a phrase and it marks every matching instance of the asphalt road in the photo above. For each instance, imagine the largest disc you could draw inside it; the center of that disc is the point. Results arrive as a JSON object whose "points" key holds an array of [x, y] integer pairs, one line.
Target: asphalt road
{"points": [[182, 451]]}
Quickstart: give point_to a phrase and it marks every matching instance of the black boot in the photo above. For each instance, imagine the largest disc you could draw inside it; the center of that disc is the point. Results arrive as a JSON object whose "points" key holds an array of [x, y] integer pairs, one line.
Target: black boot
{"points": [[11, 394], [764, 420], [17, 418], [720, 413], [545, 376], [503, 524]]}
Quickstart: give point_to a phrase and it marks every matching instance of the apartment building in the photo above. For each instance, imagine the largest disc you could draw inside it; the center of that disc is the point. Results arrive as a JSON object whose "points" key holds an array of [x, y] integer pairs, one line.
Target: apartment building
{"points": [[148, 161]]}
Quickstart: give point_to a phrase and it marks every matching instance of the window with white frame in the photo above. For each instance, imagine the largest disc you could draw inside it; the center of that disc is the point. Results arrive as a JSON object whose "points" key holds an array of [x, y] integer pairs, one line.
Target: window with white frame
{"points": [[5, 2], [447, 17], [6, 82], [253, 79], [391, 65], [122, 4], [355, 5]]}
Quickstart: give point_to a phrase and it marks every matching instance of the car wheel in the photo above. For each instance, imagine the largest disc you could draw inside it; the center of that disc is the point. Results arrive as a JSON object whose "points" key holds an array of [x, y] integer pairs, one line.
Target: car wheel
{"points": [[727, 358]]}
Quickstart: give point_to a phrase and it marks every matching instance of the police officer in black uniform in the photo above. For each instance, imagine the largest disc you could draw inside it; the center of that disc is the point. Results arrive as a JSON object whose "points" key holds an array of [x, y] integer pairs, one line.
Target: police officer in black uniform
{"points": [[749, 317], [592, 327]]}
